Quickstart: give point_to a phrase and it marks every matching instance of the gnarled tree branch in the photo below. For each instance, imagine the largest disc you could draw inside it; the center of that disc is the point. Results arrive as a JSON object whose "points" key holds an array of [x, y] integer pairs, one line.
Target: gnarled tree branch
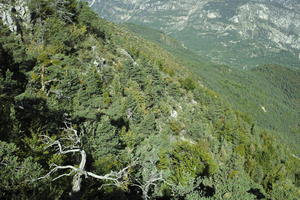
{"points": [[117, 178]]}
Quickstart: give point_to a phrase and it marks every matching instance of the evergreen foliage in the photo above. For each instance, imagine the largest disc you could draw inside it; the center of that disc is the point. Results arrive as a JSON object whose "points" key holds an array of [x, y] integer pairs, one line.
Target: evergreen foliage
{"points": [[267, 93], [132, 105]]}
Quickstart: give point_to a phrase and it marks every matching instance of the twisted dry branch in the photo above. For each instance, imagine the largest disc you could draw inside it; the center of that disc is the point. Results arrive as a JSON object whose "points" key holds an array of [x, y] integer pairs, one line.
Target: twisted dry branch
{"points": [[117, 178]]}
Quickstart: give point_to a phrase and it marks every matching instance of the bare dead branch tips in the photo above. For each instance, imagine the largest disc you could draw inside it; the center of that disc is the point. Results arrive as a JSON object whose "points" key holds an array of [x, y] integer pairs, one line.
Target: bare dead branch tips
{"points": [[146, 186]]}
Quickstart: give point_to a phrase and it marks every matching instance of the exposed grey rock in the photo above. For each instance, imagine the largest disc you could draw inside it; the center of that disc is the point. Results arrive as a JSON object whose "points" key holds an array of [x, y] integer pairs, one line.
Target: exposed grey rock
{"points": [[14, 13]]}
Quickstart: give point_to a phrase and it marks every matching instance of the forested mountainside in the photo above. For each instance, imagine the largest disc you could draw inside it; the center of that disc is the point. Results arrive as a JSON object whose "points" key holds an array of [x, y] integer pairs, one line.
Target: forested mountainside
{"points": [[90, 111], [268, 93], [233, 32]]}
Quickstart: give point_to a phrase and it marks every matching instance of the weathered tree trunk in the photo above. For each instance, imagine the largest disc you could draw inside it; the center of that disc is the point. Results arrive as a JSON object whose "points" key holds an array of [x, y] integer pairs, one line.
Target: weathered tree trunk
{"points": [[43, 78]]}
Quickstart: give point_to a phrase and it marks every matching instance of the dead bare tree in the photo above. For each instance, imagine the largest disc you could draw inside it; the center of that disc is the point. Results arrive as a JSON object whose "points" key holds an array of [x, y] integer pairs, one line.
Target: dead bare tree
{"points": [[146, 186], [149, 177], [73, 140]]}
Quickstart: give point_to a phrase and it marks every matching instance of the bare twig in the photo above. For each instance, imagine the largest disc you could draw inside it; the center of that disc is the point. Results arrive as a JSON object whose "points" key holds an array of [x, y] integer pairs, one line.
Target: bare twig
{"points": [[92, 3], [117, 178], [146, 186]]}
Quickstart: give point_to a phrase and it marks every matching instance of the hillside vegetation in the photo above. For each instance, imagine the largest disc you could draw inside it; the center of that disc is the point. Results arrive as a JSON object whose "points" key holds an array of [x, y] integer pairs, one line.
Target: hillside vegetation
{"points": [[89, 110], [268, 93]]}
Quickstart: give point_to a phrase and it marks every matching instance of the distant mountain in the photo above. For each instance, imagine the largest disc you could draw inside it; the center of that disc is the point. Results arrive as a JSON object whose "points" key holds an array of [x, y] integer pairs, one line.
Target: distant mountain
{"points": [[241, 33]]}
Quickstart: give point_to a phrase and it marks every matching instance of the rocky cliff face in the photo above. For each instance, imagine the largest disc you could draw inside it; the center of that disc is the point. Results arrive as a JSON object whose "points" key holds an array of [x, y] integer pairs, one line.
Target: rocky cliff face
{"points": [[240, 33], [14, 14]]}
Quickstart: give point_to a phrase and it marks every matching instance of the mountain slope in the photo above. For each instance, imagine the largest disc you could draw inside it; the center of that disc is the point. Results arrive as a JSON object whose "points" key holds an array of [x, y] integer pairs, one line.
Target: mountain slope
{"points": [[267, 93], [237, 33], [91, 111]]}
